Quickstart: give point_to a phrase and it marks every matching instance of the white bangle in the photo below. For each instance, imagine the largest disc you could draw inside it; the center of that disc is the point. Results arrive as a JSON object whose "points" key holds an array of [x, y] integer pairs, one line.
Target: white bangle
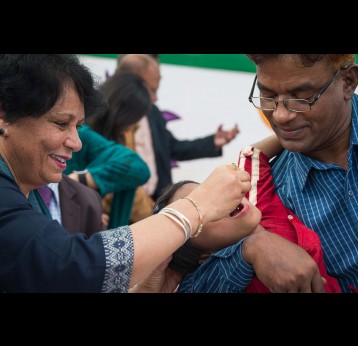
{"points": [[183, 218], [177, 220]]}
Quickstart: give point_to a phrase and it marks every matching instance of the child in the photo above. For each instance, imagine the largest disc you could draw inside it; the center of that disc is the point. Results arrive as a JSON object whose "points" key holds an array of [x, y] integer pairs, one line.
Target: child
{"points": [[211, 267]]}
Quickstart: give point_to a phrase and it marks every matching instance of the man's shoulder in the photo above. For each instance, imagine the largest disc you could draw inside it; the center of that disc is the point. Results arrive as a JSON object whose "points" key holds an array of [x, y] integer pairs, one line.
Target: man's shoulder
{"points": [[281, 165], [156, 116]]}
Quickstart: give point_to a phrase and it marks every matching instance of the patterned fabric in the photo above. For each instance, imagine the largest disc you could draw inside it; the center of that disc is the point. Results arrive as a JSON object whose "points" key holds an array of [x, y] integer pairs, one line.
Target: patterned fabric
{"points": [[325, 197], [119, 250]]}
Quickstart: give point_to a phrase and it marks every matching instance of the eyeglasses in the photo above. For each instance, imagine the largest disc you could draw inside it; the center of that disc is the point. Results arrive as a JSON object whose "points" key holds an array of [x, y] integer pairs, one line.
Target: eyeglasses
{"points": [[293, 105]]}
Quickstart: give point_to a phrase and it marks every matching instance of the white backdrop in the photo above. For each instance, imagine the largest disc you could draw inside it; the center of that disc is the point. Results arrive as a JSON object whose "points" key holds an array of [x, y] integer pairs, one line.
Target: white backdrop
{"points": [[204, 98]]}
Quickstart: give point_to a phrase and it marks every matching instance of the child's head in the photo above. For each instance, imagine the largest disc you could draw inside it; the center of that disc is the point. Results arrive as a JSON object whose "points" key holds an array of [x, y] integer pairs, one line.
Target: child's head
{"points": [[188, 257]]}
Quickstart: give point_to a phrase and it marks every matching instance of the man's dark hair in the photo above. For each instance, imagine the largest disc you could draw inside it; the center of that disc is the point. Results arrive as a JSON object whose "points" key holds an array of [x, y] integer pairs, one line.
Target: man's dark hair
{"points": [[335, 60]]}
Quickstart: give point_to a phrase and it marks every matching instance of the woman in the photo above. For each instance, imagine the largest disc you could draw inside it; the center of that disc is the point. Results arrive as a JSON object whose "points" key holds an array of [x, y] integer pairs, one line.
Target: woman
{"points": [[44, 99], [129, 100]]}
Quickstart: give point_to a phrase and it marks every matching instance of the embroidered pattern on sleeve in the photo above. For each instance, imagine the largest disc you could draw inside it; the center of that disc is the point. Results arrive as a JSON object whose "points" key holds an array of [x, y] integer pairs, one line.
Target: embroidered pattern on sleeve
{"points": [[119, 252]]}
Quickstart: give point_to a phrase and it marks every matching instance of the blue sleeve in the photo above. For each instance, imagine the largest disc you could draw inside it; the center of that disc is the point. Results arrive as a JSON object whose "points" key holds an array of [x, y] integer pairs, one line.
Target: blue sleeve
{"points": [[225, 271]]}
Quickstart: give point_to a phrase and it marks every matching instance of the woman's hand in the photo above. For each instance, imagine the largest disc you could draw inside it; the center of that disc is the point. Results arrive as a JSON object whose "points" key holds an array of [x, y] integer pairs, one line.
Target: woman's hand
{"points": [[221, 192]]}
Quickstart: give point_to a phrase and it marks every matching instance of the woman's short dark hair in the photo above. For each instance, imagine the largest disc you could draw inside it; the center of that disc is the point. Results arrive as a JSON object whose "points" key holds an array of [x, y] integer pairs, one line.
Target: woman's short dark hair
{"points": [[187, 258], [129, 100], [31, 84]]}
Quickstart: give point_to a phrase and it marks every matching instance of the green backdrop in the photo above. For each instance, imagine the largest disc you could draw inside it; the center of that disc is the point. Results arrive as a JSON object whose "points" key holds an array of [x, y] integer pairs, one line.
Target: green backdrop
{"points": [[233, 62]]}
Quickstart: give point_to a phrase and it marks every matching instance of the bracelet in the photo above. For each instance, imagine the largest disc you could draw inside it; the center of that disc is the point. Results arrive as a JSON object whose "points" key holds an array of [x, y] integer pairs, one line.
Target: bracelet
{"points": [[200, 217], [177, 219], [184, 220], [82, 178]]}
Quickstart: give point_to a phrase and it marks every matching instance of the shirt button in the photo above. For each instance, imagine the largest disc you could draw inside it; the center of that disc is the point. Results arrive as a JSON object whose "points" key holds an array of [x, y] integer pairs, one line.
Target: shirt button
{"points": [[350, 193]]}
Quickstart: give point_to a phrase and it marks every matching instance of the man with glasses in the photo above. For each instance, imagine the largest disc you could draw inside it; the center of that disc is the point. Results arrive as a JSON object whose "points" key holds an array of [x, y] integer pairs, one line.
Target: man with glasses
{"points": [[310, 103]]}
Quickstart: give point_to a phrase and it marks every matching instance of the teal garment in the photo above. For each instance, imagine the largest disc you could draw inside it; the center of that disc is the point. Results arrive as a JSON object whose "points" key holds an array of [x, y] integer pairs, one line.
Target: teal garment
{"points": [[34, 199], [114, 167]]}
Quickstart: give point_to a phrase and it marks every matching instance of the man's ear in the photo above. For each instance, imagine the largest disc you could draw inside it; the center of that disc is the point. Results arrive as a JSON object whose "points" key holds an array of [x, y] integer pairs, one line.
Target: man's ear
{"points": [[350, 77]]}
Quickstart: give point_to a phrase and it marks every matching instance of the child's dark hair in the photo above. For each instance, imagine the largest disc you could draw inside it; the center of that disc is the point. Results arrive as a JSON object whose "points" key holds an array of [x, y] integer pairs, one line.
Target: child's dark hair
{"points": [[187, 258]]}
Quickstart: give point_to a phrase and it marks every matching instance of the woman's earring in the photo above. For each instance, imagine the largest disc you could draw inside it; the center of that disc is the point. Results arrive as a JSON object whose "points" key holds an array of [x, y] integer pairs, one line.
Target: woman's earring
{"points": [[2, 131]]}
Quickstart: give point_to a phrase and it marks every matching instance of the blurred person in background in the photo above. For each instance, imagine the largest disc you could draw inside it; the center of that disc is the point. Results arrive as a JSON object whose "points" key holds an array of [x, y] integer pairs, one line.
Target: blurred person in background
{"points": [[165, 146], [129, 100]]}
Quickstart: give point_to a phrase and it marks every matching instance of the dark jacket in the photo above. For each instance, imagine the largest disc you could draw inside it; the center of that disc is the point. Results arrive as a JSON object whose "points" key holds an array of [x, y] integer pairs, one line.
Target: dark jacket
{"points": [[167, 148], [81, 207], [37, 254]]}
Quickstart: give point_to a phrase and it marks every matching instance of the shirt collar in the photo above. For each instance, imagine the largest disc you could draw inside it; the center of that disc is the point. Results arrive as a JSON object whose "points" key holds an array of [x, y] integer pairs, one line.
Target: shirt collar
{"points": [[304, 164]]}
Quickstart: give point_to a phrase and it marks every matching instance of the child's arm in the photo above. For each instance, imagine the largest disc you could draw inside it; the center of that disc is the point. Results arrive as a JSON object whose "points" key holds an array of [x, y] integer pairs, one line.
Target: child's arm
{"points": [[270, 146]]}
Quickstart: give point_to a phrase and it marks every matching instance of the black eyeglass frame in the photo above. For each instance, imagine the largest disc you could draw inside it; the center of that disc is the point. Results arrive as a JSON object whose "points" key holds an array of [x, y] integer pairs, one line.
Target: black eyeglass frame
{"points": [[315, 98]]}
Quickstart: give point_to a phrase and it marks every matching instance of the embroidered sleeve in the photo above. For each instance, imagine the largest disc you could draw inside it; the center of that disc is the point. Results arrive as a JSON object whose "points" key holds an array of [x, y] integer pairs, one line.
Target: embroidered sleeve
{"points": [[119, 253]]}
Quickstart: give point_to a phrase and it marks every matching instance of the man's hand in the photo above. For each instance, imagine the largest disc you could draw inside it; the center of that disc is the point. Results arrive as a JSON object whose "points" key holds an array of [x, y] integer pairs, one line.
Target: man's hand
{"points": [[223, 137], [283, 267]]}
